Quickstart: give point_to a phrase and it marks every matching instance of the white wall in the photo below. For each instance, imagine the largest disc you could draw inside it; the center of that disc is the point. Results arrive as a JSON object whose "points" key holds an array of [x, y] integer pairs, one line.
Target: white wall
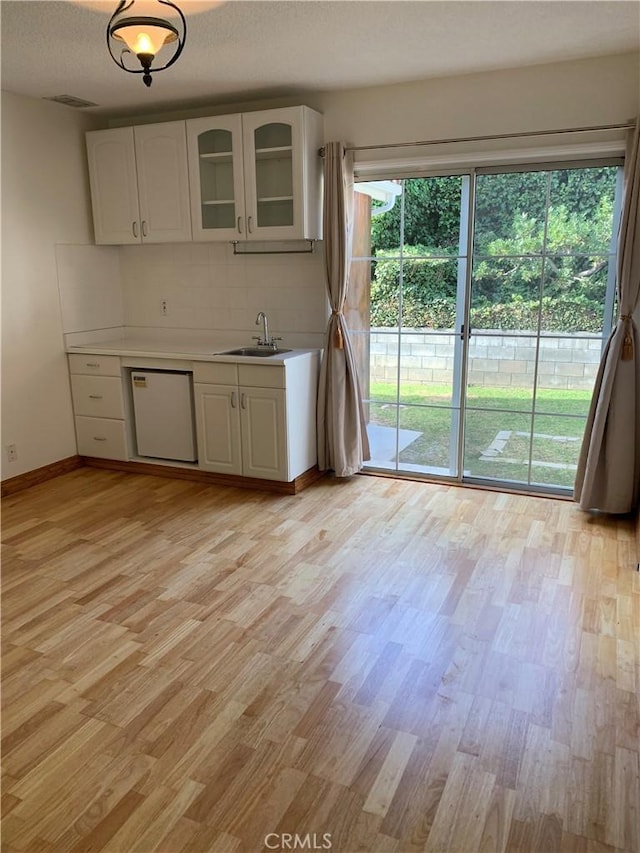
{"points": [[45, 201], [598, 91], [90, 288]]}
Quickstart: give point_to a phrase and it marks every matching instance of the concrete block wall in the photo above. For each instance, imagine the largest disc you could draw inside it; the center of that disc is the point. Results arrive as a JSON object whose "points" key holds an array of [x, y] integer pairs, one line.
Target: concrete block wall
{"points": [[497, 360]]}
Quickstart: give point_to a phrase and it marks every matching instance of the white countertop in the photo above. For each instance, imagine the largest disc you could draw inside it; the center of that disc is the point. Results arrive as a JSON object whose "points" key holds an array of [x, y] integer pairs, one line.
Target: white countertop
{"points": [[182, 349]]}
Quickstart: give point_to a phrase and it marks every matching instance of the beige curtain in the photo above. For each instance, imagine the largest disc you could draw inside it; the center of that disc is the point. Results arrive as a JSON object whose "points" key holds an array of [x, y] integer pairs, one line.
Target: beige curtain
{"points": [[342, 436], [608, 476]]}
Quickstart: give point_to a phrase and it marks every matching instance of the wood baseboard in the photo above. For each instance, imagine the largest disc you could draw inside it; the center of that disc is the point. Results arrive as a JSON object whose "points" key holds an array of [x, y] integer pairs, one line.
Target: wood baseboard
{"points": [[40, 475], [195, 475]]}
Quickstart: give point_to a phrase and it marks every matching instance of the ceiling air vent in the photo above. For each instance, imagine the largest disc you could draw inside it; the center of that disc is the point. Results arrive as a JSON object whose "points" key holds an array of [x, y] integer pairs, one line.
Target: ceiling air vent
{"points": [[71, 101]]}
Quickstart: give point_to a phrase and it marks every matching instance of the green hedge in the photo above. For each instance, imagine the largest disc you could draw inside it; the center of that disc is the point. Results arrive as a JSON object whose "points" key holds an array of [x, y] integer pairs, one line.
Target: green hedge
{"points": [[429, 299], [557, 315]]}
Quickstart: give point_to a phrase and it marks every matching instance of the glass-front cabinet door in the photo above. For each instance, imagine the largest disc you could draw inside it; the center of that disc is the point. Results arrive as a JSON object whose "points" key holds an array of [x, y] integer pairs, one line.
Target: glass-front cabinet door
{"points": [[216, 178], [269, 174], [256, 176], [273, 187]]}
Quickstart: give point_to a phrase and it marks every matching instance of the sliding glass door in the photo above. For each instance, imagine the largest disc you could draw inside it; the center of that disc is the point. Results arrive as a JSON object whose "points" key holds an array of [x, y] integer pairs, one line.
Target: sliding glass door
{"points": [[489, 296], [417, 285]]}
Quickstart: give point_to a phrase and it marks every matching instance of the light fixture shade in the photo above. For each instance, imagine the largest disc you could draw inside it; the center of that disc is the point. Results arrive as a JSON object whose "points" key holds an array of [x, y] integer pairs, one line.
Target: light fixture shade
{"points": [[144, 37]]}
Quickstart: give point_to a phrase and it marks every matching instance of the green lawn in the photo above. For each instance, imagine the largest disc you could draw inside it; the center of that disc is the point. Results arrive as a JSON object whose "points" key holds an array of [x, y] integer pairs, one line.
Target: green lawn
{"points": [[497, 429]]}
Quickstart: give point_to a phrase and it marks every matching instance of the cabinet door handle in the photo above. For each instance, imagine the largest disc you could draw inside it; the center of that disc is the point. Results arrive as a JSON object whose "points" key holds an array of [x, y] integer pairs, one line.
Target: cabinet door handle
{"points": [[239, 225], [134, 227], [242, 399], [95, 396], [144, 227], [99, 438], [233, 399], [249, 225]]}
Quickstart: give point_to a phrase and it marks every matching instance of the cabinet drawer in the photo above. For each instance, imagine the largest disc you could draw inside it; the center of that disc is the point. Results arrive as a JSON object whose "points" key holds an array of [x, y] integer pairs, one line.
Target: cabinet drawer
{"points": [[262, 376], [95, 365], [215, 373], [100, 437], [97, 396]]}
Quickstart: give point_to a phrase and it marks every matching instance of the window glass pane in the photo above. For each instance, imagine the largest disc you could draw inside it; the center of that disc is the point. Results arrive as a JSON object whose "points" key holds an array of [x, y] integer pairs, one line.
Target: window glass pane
{"points": [[383, 373], [428, 290], [385, 294], [425, 440], [555, 450], [386, 227], [567, 370], [426, 217], [506, 294], [574, 294], [497, 445], [426, 368], [581, 205], [510, 213], [382, 431], [501, 372]]}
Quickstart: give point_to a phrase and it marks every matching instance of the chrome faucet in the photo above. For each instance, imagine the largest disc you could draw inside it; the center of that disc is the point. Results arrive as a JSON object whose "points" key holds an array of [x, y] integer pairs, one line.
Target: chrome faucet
{"points": [[265, 340], [262, 318]]}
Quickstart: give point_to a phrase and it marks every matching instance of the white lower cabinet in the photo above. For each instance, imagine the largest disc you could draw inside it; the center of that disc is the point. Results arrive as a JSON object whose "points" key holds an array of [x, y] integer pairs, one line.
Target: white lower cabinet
{"points": [[101, 437], [252, 420], [98, 406], [218, 428], [242, 431], [245, 417], [264, 433]]}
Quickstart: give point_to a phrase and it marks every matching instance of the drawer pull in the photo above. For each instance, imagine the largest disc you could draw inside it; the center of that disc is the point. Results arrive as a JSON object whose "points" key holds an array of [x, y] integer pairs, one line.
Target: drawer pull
{"points": [[95, 396], [99, 438], [92, 364]]}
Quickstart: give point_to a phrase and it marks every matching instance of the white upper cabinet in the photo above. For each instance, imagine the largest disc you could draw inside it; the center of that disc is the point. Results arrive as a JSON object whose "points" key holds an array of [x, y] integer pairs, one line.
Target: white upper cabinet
{"points": [[256, 176], [114, 185], [140, 184]]}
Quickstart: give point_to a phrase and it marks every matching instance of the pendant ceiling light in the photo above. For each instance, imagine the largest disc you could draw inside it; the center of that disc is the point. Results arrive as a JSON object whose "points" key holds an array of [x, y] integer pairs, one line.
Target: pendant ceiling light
{"points": [[145, 36]]}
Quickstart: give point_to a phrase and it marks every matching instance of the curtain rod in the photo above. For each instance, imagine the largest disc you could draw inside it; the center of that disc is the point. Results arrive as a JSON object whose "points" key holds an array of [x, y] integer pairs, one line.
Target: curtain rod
{"points": [[626, 126]]}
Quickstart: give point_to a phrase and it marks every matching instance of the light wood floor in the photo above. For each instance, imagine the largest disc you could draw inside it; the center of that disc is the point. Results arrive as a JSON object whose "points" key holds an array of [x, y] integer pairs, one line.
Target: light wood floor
{"points": [[396, 665]]}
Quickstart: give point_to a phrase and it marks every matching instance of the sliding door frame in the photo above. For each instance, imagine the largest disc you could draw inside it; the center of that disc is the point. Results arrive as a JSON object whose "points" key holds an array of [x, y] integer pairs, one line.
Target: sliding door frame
{"points": [[463, 331]]}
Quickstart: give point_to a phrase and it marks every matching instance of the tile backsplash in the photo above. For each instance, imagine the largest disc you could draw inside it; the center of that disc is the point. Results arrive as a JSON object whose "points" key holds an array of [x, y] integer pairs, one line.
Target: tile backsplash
{"points": [[204, 286]]}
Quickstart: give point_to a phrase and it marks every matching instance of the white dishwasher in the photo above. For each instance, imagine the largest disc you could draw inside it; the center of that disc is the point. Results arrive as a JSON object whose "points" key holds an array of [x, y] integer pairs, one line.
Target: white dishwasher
{"points": [[163, 414]]}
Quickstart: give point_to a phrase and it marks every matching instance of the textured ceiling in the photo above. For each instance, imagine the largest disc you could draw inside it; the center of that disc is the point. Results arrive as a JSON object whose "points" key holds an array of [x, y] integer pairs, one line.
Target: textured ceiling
{"points": [[243, 49]]}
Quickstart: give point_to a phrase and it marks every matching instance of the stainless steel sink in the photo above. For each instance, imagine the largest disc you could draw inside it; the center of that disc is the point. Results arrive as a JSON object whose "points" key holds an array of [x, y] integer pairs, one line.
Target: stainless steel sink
{"points": [[260, 352]]}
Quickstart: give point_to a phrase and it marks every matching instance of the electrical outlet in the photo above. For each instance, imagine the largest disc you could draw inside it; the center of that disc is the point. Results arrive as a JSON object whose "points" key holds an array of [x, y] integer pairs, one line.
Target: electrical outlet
{"points": [[164, 307], [12, 452]]}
